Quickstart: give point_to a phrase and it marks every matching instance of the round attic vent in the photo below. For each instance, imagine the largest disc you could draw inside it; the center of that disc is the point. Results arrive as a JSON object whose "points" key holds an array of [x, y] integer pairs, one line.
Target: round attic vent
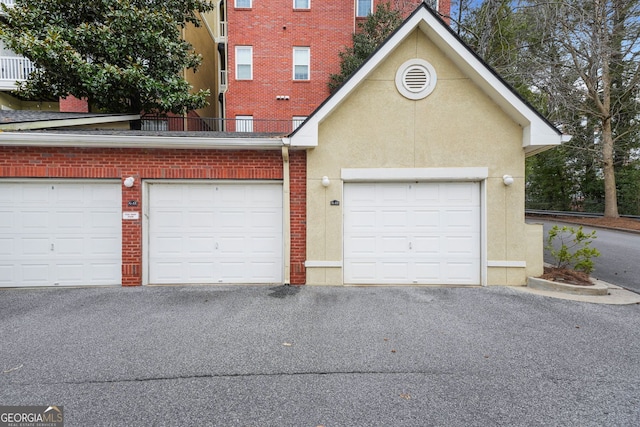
{"points": [[416, 79]]}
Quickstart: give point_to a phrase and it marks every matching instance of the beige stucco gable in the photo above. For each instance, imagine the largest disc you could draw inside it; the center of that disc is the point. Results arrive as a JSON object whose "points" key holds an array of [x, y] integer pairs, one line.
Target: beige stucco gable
{"points": [[457, 133]]}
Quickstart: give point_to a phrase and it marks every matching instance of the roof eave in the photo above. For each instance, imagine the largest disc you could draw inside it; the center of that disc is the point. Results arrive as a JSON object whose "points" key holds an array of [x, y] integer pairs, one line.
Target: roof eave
{"points": [[64, 123], [92, 140]]}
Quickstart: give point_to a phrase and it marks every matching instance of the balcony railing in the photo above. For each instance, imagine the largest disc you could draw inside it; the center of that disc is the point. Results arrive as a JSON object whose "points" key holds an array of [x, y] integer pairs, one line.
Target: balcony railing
{"points": [[212, 124], [223, 31], [223, 81], [15, 68]]}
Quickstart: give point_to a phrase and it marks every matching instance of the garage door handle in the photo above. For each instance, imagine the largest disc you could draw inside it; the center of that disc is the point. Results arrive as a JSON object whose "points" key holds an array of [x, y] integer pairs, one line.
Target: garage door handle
{"points": [[216, 245], [52, 247], [410, 246]]}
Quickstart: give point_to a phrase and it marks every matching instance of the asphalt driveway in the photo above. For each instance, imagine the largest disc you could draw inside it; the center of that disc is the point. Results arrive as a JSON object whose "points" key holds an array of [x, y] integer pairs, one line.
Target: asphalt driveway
{"points": [[311, 356]]}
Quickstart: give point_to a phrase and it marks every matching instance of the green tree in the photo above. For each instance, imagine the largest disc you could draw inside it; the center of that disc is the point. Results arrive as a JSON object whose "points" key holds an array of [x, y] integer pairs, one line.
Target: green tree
{"points": [[122, 55], [372, 32]]}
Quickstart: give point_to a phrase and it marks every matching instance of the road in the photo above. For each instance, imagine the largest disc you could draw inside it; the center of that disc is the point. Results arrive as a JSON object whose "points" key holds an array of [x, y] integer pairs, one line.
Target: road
{"points": [[319, 356], [619, 260]]}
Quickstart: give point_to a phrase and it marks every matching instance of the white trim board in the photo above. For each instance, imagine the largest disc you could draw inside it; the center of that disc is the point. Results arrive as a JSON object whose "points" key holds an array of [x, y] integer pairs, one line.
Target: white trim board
{"points": [[415, 174]]}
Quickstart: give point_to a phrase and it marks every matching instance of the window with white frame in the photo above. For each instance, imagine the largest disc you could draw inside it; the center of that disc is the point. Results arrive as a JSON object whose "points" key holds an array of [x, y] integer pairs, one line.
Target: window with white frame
{"points": [[364, 7], [244, 62], [244, 123], [302, 4], [297, 121], [301, 63], [243, 3]]}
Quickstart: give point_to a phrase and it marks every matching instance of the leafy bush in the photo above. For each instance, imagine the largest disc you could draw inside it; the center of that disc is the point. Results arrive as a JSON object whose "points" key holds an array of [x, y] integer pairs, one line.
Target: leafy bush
{"points": [[574, 248]]}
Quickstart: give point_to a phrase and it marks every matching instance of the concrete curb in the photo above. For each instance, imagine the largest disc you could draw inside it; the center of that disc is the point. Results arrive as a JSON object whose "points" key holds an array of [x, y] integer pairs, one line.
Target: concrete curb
{"points": [[548, 285], [615, 294]]}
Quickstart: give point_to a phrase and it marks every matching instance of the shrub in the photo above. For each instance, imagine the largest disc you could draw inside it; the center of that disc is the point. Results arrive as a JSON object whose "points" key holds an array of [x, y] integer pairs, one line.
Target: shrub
{"points": [[574, 248]]}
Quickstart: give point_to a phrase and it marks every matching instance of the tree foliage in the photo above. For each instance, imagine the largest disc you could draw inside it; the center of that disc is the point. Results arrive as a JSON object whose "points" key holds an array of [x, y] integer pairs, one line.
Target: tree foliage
{"points": [[372, 32], [578, 62], [122, 55]]}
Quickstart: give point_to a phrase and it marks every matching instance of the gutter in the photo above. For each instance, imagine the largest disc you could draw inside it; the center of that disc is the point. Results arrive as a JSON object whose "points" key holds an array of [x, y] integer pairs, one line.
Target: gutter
{"points": [[286, 214]]}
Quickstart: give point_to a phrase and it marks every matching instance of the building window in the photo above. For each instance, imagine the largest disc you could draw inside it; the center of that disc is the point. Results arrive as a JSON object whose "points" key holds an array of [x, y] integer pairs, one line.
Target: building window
{"points": [[301, 61], [243, 4], [297, 121], [244, 62], [244, 123], [301, 4], [364, 7]]}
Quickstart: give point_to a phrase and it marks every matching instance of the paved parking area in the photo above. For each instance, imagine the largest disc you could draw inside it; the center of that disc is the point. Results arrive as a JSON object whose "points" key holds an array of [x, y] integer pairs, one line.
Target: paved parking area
{"points": [[311, 356]]}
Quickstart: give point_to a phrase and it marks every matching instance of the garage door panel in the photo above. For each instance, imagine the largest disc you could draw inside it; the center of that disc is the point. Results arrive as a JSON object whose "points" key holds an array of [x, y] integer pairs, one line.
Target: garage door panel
{"points": [[33, 246], [60, 231], [230, 219], [392, 194], [201, 271], [360, 220], [409, 232], [391, 219], [33, 194], [358, 245], [105, 220], [460, 193], [66, 246], [35, 274], [362, 271], [264, 246], [428, 272], [166, 245], [266, 220], [426, 245], [393, 271], [393, 245], [201, 245], [429, 219], [198, 220], [456, 245], [461, 219], [232, 226], [34, 221], [104, 247], [461, 271]]}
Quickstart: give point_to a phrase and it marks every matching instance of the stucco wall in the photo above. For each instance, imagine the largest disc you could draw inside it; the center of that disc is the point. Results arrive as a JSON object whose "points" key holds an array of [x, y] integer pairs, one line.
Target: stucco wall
{"points": [[456, 126]]}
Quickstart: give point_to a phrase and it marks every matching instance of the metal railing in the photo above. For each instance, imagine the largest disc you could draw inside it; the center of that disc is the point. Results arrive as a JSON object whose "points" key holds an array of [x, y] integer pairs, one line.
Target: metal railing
{"points": [[223, 81], [573, 213], [223, 30], [213, 124], [15, 68]]}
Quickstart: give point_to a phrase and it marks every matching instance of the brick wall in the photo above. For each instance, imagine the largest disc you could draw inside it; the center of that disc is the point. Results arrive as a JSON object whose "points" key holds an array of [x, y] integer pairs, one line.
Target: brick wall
{"points": [[71, 104], [38, 162], [273, 28]]}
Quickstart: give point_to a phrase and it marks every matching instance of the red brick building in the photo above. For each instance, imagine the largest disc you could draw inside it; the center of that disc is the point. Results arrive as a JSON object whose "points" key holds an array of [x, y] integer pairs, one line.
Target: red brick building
{"points": [[281, 53]]}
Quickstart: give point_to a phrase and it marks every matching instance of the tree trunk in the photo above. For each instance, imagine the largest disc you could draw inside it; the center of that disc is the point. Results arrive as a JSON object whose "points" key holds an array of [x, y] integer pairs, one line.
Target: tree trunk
{"points": [[610, 192]]}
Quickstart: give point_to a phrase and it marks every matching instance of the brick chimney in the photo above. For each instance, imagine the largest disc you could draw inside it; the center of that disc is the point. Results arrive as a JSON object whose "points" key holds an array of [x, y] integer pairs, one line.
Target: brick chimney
{"points": [[71, 104]]}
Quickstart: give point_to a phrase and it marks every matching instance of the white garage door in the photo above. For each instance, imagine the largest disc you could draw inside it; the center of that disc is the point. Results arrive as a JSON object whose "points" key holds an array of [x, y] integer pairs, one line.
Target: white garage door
{"points": [[215, 233], [60, 233], [412, 233]]}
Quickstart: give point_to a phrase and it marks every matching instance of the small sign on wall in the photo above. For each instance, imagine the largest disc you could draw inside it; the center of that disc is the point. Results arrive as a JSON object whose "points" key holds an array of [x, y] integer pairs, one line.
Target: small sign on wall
{"points": [[130, 215]]}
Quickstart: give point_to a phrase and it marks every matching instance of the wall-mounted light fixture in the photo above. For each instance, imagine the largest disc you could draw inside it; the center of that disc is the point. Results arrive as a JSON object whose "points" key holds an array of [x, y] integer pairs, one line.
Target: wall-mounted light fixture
{"points": [[325, 181], [128, 182], [507, 179]]}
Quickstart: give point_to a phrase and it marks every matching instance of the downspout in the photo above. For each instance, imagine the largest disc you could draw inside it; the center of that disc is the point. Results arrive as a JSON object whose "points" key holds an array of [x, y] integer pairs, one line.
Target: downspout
{"points": [[286, 211]]}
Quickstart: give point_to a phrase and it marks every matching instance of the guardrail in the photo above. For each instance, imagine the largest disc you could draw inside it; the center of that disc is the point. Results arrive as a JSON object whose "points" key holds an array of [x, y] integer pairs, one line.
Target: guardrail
{"points": [[212, 124], [574, 214]]}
